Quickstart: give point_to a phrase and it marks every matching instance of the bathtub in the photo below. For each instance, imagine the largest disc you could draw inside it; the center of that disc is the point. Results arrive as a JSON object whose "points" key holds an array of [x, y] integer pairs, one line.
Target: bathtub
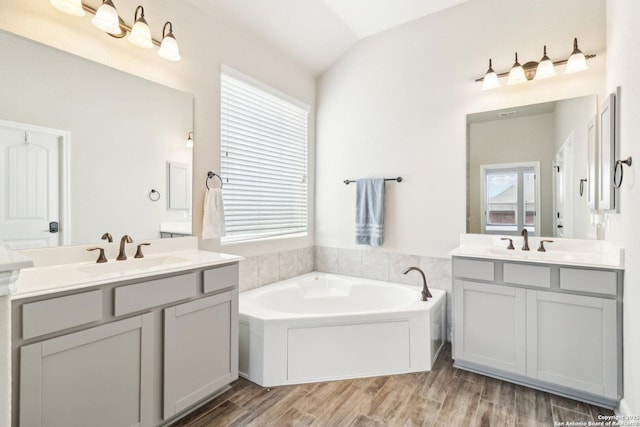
{"points": [[320, 327]]}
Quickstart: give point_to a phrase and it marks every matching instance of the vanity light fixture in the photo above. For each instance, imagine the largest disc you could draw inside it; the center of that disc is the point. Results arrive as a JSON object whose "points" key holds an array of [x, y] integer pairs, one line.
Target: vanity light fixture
{"points": [[72, 7], [533, 70], [169, 46], [107, 19], [189, 143], [140, 34]]}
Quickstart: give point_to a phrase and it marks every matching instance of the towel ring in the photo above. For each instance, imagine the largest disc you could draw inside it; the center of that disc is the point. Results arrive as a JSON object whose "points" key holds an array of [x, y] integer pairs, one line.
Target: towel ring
{"points": [[627, 162], [211, 175], [154, 195]]}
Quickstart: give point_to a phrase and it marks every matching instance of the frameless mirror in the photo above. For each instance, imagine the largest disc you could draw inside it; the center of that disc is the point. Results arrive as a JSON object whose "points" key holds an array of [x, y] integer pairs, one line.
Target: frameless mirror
{"points": [[527, 167], [84, 150]]}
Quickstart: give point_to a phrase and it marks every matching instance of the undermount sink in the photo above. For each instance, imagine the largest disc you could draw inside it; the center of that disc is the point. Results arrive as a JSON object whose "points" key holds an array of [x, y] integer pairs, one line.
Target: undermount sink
{"points": [[133, 265]]}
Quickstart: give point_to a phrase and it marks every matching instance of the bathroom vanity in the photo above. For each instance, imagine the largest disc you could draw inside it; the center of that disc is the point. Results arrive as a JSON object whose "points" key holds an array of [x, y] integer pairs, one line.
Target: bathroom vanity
{"points": [[549, 320], [124, 343]]}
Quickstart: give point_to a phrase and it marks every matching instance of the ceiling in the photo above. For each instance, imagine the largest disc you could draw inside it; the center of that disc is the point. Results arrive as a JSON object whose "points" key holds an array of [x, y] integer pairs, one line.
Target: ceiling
{"points": [[317, 32], [512, 113]]}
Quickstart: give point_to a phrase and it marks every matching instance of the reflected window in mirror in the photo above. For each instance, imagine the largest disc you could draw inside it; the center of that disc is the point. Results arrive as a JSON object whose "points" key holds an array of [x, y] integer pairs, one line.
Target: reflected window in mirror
{"points": [[509, 199]]}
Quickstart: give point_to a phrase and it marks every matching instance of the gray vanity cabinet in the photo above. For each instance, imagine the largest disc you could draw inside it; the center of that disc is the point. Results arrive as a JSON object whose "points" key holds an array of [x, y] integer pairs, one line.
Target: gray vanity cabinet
{"points": [[106, 370], [552, 327], [127, 353], [200, 349], [572, 341], [490, 323]]}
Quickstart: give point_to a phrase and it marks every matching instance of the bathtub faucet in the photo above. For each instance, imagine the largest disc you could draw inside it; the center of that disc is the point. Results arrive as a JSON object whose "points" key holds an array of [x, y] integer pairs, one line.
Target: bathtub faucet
{"points": [[425, 289]]}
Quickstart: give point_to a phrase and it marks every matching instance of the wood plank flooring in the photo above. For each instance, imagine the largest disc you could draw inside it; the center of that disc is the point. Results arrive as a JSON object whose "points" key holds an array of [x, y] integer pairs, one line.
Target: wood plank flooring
{"points": [[445, 396]]}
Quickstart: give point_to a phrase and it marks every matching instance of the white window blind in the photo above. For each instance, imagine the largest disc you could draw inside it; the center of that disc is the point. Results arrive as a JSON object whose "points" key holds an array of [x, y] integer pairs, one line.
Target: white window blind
{"points": [[263, 156]]}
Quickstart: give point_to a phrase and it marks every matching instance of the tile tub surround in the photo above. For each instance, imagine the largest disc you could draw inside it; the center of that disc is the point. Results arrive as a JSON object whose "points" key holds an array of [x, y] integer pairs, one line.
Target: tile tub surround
{"points": [[261, 270]]}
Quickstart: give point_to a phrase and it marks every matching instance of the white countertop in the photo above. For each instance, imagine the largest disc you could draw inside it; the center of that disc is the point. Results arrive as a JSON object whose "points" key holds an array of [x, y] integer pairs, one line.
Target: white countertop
{"points": [[574, 252], [71, 268], [10, 261]]}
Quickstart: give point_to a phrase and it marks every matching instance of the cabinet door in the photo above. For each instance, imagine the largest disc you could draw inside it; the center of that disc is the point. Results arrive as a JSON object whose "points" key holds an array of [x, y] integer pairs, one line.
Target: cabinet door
{"points": [[489, 325], [200, 349], [572, 341], [97, 377]]}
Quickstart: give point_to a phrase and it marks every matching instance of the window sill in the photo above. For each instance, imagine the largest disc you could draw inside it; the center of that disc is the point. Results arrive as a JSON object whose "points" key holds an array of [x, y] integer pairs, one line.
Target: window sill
{"points": [[242, 240]]}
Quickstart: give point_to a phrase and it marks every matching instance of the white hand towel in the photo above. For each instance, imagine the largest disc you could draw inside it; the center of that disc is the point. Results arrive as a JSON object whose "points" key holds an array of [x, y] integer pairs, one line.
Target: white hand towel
{"points": [[213, 218]]}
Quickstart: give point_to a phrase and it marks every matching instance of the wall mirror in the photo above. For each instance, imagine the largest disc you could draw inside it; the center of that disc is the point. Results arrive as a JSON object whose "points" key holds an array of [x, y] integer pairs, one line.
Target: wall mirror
{"points": [[527, 167], [93, 141]]}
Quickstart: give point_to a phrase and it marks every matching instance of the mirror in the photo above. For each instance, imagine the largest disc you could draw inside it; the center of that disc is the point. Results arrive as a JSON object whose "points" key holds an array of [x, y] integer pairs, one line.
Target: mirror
{"points": [[527, 167], [105, 135]]}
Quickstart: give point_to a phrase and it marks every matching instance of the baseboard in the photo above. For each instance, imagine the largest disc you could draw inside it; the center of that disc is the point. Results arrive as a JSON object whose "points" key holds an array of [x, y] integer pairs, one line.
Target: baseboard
{"points": [[623, 408]]}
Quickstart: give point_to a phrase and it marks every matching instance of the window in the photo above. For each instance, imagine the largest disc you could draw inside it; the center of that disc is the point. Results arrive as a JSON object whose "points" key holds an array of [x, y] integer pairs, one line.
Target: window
{"points": [[510, 199], [263, 157]]}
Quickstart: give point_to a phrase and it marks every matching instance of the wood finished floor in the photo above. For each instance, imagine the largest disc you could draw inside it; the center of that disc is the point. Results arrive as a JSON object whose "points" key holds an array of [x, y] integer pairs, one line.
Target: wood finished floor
{"points": [[445, 396]]}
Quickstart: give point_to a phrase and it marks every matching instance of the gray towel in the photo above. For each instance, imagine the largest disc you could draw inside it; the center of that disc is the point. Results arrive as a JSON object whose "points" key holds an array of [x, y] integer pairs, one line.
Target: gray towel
{"points": [[369, 211]]}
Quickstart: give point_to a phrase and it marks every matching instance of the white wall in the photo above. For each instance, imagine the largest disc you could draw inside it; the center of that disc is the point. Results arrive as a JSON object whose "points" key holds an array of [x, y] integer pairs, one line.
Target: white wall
{"points": [[522, 139], [205, 43], [396, 104], [623, 62]]}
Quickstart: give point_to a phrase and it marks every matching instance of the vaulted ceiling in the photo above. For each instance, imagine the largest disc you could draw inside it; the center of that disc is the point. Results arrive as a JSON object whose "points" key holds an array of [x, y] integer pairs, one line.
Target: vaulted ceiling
{"points": [[317, 32]]}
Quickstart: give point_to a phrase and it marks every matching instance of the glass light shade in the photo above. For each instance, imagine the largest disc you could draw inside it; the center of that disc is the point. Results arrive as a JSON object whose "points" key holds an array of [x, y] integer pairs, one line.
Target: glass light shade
{"points": [[516, 75], [169, 48], [577, 62], [545, 69], [72, 7], [189, 143], [490, 80], [107, 18], [140, 34]]}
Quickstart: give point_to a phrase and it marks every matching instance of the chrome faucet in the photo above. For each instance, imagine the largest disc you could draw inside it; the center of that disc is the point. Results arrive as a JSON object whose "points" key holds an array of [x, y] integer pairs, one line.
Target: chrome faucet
{"points": [[125, 239], [425, 289], [525, 234]]}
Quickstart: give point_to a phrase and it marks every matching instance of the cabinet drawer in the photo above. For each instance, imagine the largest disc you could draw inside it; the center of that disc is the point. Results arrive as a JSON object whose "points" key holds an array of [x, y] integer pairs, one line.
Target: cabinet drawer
{"points": [[56, 314], [530, 275], [473, 269], [220, 278], [141, 296], [596, 281]]}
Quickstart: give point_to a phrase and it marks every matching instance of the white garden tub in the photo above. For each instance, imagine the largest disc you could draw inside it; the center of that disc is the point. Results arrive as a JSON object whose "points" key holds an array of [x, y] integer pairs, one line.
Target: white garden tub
{"points": [[320, 326]]}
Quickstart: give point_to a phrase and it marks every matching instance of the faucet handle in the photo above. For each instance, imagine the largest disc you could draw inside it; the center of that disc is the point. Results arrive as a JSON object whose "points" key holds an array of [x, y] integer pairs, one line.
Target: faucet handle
{"points": [[108, 237], [101, 257], [542, 242], [139, 251], [510, 242]]}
